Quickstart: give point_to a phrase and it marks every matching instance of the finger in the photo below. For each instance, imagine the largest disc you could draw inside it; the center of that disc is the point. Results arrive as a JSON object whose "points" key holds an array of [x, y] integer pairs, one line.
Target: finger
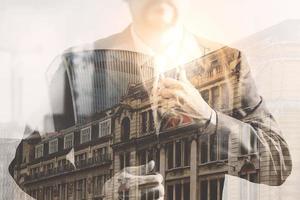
{"points": [[167, 93], [170, 83], [142, 169], [155, 179]]}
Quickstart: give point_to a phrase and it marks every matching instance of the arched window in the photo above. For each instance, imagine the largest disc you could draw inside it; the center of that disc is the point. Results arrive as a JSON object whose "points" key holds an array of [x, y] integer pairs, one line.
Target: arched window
{"points": [[125, 129]]}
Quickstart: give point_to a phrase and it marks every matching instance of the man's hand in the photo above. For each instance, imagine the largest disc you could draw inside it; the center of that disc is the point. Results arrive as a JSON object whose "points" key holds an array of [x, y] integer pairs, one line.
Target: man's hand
{"points": [[176, 97], [133, 180]]}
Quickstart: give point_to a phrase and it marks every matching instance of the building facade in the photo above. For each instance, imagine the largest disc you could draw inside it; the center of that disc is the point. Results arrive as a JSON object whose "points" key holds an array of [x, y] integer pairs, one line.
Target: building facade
{"points": [[192, 162]]}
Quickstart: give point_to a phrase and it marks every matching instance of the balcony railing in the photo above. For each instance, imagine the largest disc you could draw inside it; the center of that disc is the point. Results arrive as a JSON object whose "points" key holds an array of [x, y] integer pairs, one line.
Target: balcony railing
{"points": [[97, 160], [90, 162]]}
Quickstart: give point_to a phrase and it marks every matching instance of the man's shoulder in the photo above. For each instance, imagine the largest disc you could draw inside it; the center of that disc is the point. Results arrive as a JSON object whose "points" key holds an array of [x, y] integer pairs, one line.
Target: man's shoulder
{"points": [[117, 41]]}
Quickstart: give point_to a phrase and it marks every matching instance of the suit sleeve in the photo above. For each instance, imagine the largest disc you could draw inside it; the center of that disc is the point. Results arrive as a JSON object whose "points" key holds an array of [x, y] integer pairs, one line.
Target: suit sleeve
{"points": [[253, 119]]}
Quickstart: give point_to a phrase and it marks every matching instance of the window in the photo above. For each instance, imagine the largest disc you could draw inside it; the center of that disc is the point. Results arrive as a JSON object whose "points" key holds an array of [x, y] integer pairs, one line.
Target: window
{"points": [[177, 191], [48, 193], [187, 153], [147, 122], [151, 120], [170, 155], [144, 122], [225, 96], [211, 189], [124, 195], [85, 135], [53, 146], [224, 140], [68, 140], [180, 190], [213, 147], [39, 151], [81, 189], [125, 129], [170, 192], [148, 194], [124, 160], [204, 148], [215, 97], [62, 189], [203, 190], [145, 156], [98, 184], [186, 191], [105, 128], [100, 154], [178, 154]]}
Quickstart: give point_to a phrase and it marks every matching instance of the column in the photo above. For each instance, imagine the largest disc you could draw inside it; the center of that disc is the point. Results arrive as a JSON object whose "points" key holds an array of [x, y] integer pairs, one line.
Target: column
{"points": [[193, 170]]}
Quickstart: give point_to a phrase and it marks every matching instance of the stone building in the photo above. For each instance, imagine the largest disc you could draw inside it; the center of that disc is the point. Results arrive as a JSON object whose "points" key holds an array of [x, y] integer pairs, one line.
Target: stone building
{"points": [[192, 162]]}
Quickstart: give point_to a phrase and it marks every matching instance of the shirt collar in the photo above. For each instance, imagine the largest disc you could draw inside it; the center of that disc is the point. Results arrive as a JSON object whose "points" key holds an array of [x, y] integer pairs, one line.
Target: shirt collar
{"points": [[185, 47]]}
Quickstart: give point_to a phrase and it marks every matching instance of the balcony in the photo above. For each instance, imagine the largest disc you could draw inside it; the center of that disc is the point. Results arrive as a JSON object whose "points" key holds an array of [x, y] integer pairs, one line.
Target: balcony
{"points": [[94, 161], [69, 168]]}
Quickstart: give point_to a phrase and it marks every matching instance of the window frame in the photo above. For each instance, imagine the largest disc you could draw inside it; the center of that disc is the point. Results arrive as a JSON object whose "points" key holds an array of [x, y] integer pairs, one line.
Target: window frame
{"points": [[67, 135], [50, 145], [35, 151], [90, 134], [102, 123]]}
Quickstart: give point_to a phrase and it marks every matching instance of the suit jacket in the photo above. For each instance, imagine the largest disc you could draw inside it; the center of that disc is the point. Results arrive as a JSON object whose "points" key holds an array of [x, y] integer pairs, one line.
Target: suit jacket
{"points": [[250, 116]]}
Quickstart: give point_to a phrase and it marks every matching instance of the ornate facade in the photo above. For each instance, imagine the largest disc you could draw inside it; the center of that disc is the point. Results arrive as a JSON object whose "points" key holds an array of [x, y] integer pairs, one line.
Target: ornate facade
{"points": [[192, 162]]}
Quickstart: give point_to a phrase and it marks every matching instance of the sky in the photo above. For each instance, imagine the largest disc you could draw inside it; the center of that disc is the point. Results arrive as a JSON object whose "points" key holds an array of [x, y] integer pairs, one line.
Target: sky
{"points": [[33, 32]]}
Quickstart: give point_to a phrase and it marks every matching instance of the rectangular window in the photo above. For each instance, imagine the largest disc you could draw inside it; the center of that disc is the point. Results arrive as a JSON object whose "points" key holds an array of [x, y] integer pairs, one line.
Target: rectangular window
{"points": [[98, 184], [186, 191], [85, 135], [170, 192], [81, 189], [68, 140], [144, 122], [203, 190], [170, 155], [53, 146], [39, 151], [124, 160], [178, 154], [151, 121], [213, 147], [215, 97], [224, 139], [213, 186], [187, 153], [178, 192], [142, 157], [105, 128], [225, 96], [253, 142], [204, 148]]}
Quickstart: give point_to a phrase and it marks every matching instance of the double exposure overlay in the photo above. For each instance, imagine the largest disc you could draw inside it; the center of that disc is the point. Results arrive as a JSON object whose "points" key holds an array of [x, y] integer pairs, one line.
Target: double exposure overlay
{"points": [[122, 134]]}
